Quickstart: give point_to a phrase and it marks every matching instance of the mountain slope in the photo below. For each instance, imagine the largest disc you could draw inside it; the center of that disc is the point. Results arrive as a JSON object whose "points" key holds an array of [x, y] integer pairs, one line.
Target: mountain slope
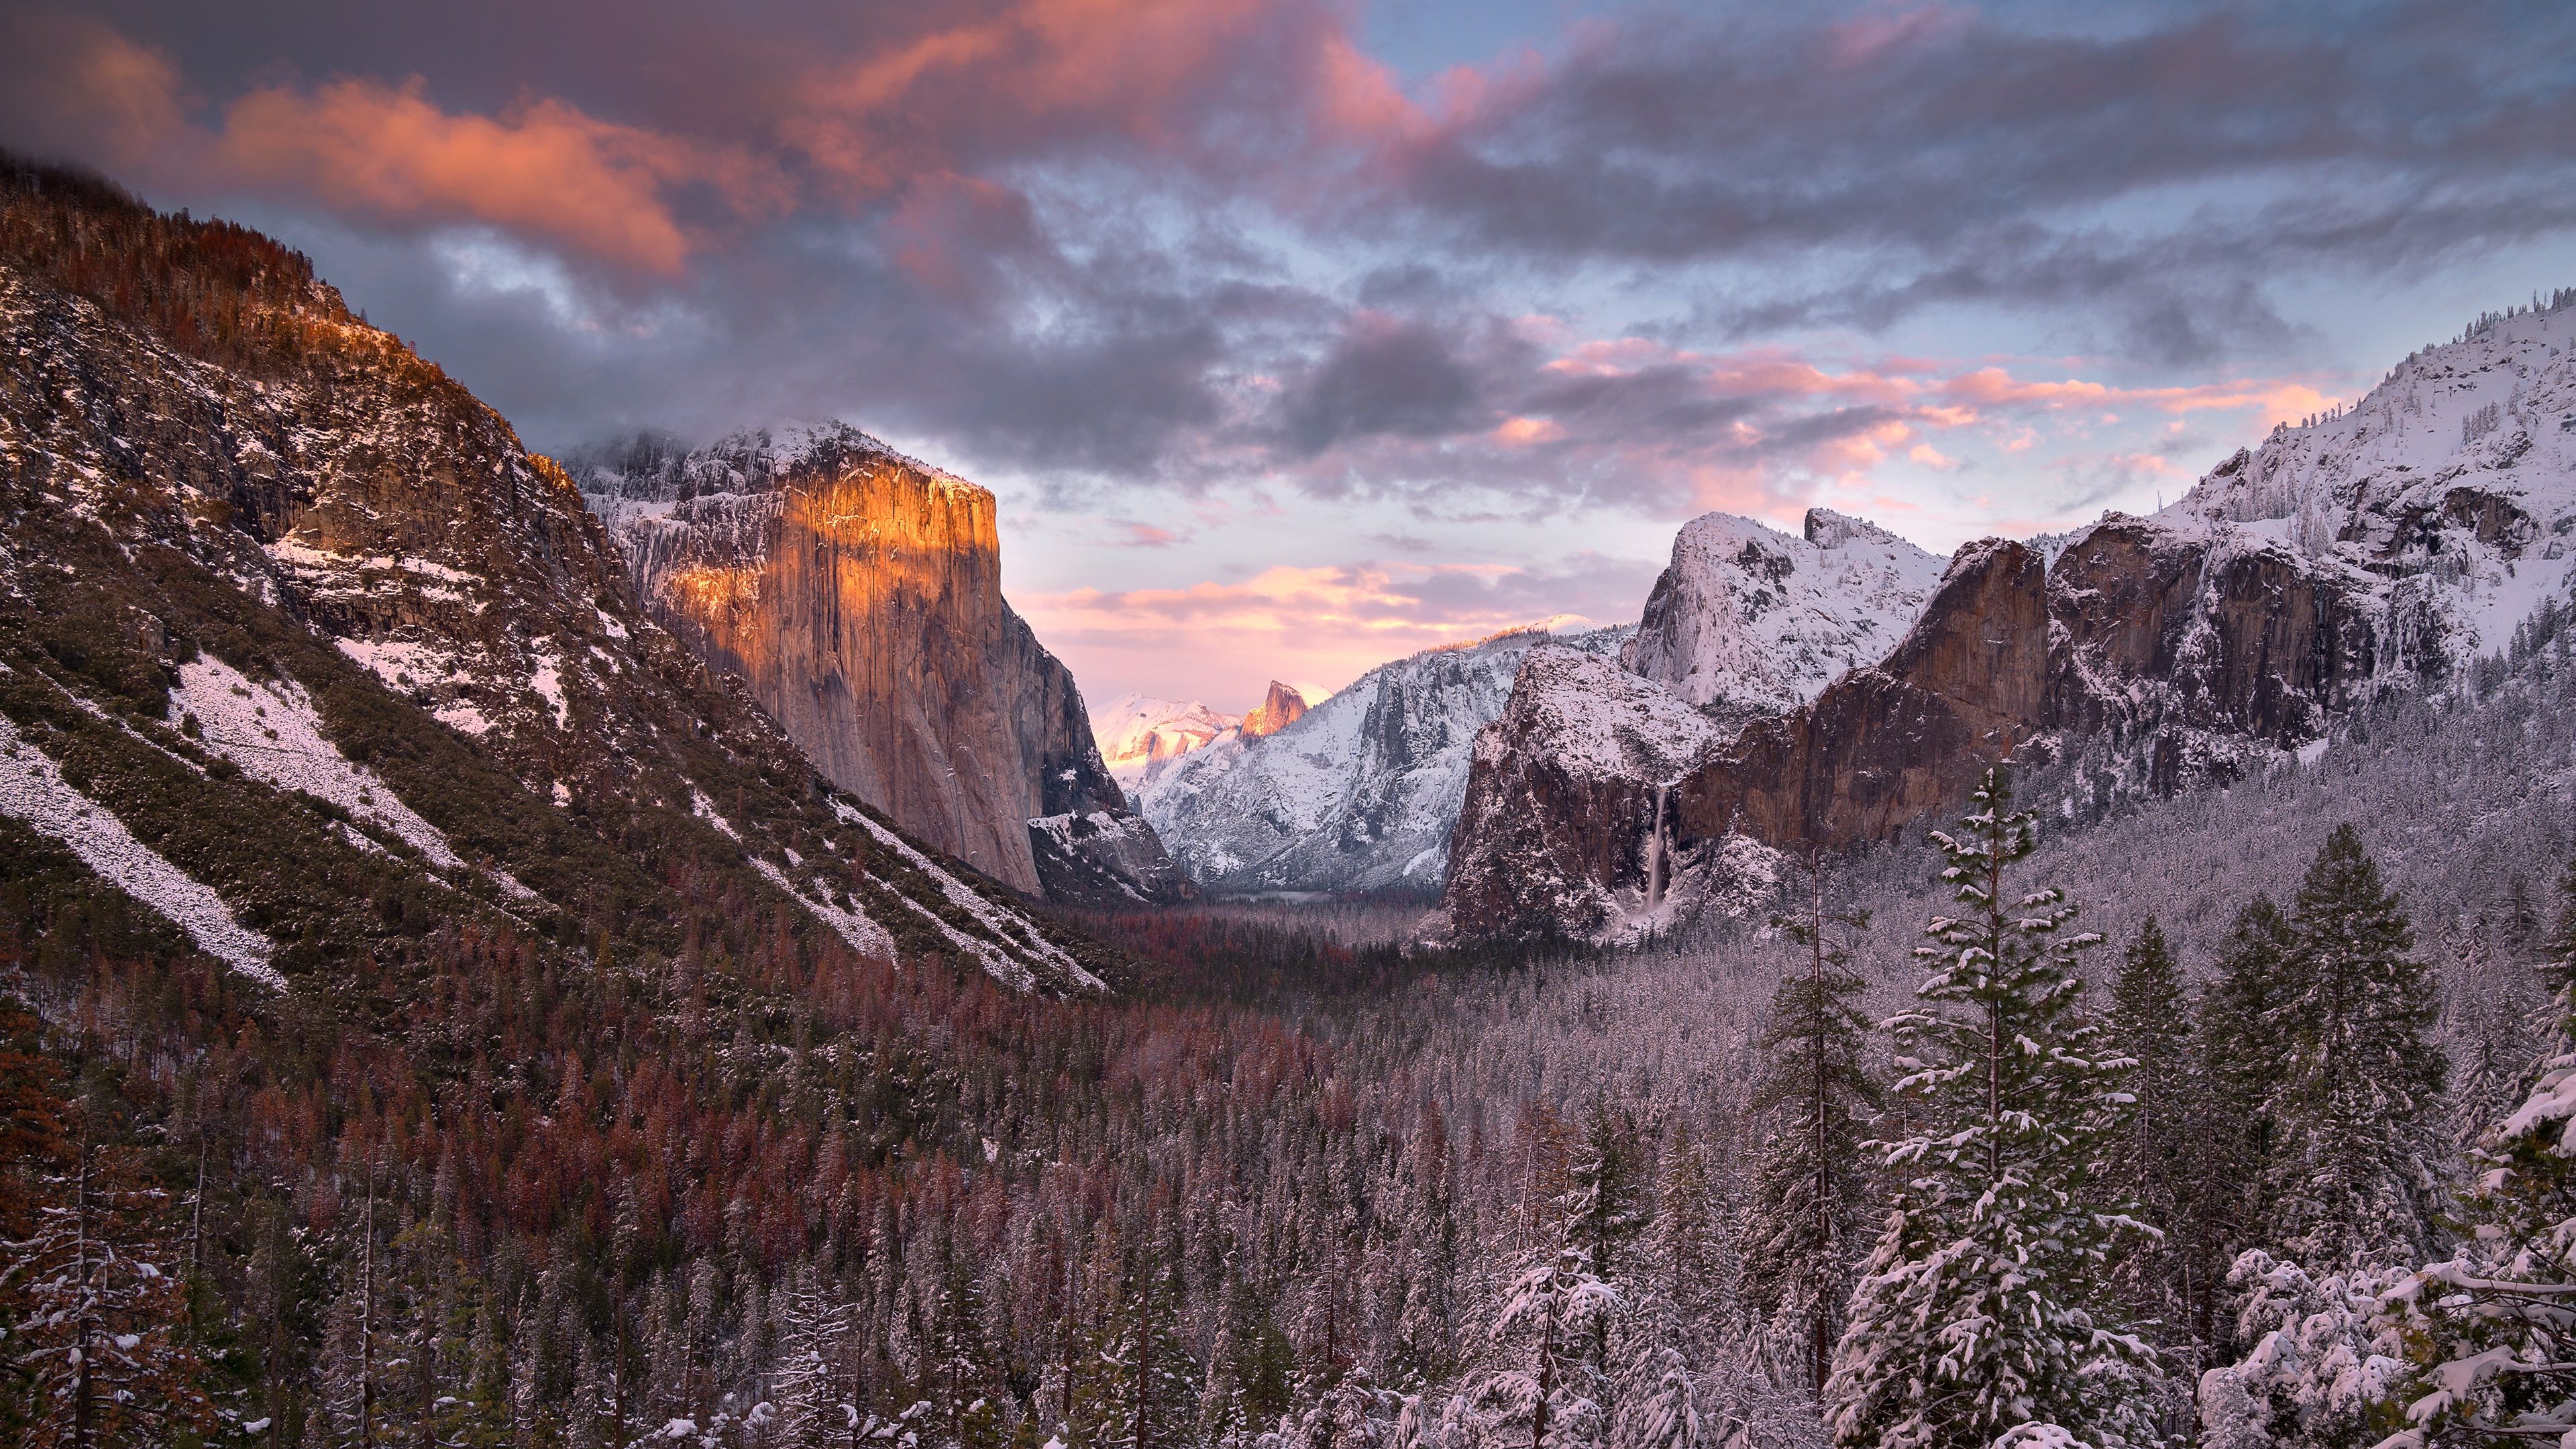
{"points": [[311, 626], [1139, 736], [2389, 546], [1359, 792], [1747, 622], [857, 592]]}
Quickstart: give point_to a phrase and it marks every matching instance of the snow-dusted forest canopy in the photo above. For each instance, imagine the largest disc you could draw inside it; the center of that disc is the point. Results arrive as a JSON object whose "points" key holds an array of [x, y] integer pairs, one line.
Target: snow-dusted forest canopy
{"points": [[2280, 1149]]}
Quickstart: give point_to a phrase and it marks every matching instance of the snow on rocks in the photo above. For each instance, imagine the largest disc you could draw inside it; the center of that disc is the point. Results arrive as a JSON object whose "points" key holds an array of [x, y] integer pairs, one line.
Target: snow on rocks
{"points": [[1140, 736], [32, 790], [271, 731], [1007, 926], [1359, 793], [1748, 621], [849, 923]]}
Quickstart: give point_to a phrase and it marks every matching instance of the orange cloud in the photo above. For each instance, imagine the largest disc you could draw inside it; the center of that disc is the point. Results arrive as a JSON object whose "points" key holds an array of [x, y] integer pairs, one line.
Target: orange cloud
{"points": [[543, 169]]}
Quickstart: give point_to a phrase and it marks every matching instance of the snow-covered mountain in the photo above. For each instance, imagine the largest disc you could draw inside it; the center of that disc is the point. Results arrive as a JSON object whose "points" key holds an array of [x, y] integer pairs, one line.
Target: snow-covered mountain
{"points": [[2449, 490], [2389, 545], [1359, 793], [1748, 621], [1140, 736]]}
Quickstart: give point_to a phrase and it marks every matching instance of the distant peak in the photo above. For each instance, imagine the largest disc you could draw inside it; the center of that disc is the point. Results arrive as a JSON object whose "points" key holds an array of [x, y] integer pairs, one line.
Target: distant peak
{"points": [[1280, 708]]}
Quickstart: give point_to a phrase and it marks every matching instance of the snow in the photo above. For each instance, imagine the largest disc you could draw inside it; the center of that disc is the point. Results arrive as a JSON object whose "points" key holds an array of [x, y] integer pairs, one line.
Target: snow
{"points": [[547, 681], [1753, 622], [1594, 720], [271, 731], [1361, 792], [1006, 925], [1139, 735], [32, 790], [2482, 417], [850, 923], [705, 809]]}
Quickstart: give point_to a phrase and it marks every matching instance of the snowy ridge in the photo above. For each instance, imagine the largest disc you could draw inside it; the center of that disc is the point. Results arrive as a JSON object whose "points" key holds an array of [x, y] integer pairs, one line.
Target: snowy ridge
{"points": [[1359, 794], [1140, 735], [1007, 925], [2449, 488], [32, 790], [1594, 720], [1748, 621]]}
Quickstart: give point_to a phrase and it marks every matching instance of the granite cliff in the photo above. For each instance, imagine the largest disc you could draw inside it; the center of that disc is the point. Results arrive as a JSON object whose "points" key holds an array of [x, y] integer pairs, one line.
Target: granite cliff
{"points": [[857, 594]]}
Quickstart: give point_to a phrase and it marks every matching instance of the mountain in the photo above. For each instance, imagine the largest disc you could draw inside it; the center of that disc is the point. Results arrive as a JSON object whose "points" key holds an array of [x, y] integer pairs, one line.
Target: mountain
{"points": [[1280, 707], [857, 593], [1747, 622], [301, 648], [2390, 545], [1139, 736], [1358, 793]]}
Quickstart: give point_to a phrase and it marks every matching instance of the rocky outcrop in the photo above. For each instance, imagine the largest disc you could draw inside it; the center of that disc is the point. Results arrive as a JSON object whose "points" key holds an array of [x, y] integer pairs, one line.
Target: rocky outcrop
{"points": [[307, 621], [857, 593], [1746, 622], [2155, 655], [1280, 708], [1362, 792], [1141, 736]]}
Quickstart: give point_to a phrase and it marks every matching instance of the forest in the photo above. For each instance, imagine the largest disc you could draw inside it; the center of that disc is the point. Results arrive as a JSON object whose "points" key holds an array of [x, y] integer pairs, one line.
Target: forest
{"points": [[2234, 1120]]}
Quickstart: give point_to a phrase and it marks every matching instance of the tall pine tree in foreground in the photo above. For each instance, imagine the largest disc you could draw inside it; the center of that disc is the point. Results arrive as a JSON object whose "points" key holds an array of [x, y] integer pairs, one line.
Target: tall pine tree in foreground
{"points": [[2241, 1063], [1809, 1186], [2157, 1160], [2359, 1095], [1984, 1306], [2492, 1331]]}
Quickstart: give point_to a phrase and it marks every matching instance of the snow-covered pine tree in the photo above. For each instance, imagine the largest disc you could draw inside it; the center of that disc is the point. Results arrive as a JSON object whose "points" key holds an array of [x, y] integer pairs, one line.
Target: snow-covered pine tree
{"points": [[1546, 1386], [96, 1328], [2358, 1094], [1143, 1388], [2492, 1330], [1984, 1305], [2154, 1160], [1804, 1229], [1691, 1262], [2241, 1063]]}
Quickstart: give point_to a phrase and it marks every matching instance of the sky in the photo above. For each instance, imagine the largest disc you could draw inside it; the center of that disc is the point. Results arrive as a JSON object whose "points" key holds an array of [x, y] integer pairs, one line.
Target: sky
{"points": [[1298, 335]]}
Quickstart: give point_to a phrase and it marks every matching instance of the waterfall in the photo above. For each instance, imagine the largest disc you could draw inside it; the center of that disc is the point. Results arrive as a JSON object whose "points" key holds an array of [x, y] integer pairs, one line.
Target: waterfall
{"points": [[1655, 853]]}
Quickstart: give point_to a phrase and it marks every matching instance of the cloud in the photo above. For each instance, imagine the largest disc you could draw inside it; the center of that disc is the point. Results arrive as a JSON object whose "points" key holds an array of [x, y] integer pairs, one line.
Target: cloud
{"points": [[1328, 621]]}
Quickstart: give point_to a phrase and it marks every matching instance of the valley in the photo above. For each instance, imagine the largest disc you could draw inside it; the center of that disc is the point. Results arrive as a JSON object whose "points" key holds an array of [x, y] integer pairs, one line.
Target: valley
{"points": [[648, 945]]}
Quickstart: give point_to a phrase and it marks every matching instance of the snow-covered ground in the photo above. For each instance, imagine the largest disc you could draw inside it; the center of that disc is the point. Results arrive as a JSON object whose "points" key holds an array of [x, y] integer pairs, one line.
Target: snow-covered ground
{"points": [[32, 789], [270, 730]]}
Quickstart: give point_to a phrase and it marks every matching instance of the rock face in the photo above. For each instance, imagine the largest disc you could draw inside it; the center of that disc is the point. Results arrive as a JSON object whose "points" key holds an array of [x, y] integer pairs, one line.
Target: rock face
{"points": [[2388, 546], [1746, 622], [1280, 708], [283, 551], [1360, 793], [857, 593]]}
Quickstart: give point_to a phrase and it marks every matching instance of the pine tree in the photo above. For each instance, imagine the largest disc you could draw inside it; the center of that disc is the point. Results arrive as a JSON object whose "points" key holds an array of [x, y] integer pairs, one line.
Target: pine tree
{"points": [[95, 1326], [1144, 1387], [2492, 1330], [2241, 1064], [2359, 1091], [1983, 1307], [1810, 1186], [1691, 1256], [2154, 1160], [1548, 1381]]}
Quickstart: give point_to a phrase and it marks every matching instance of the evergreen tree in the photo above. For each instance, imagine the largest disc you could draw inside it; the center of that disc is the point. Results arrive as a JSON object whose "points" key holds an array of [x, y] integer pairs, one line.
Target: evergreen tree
{"points": [[1547, 1383], [2154, 1161], [1810, 1186], [1692, 1255], [2241, 1060], [1984, 1306], [1143, 1388], [2359, 1090], [2491, 1331]]}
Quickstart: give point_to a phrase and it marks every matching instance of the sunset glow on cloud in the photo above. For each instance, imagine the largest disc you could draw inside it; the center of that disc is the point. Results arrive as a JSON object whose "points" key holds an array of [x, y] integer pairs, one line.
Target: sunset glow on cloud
{"points": [[1295, 334]]}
